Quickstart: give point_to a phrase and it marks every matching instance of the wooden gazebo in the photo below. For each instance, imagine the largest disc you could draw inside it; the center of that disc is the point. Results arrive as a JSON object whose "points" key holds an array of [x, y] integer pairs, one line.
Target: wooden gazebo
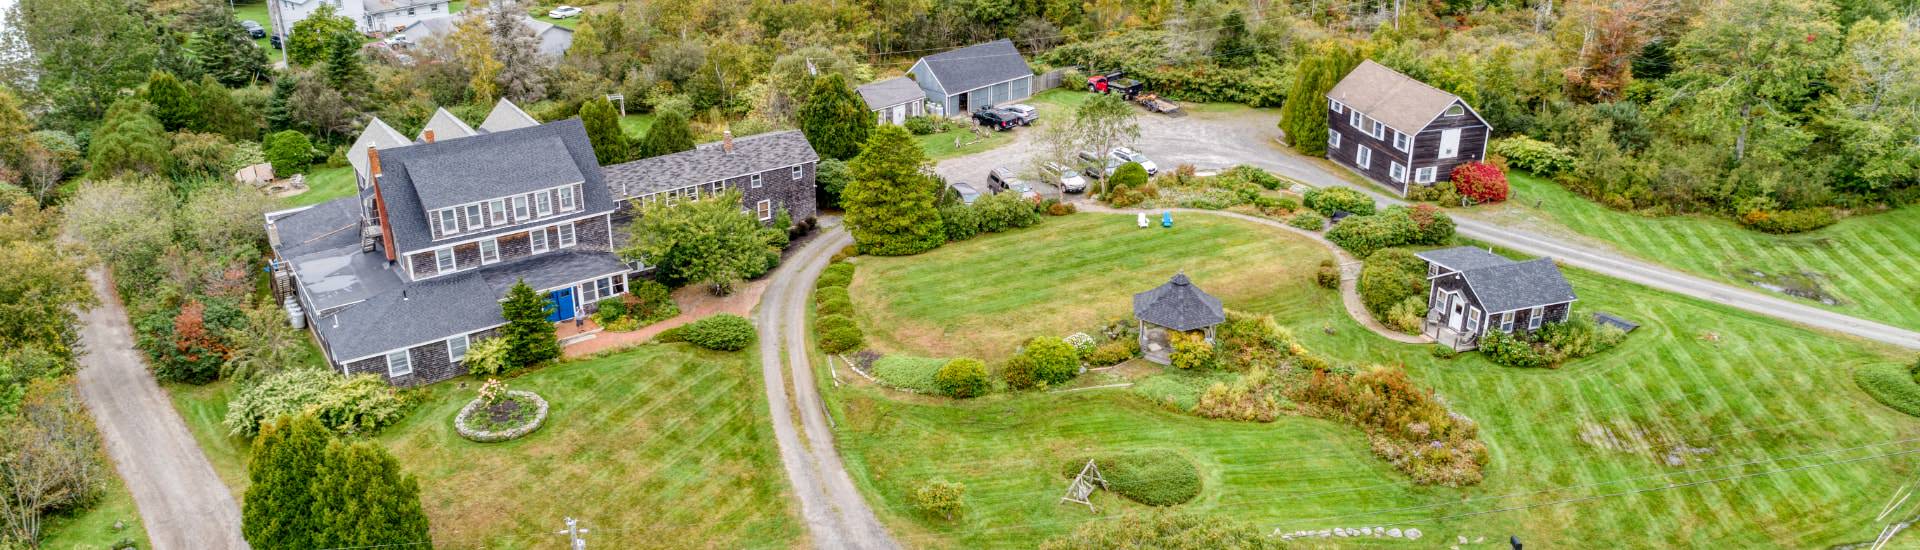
{"points": [[1176, 306]]}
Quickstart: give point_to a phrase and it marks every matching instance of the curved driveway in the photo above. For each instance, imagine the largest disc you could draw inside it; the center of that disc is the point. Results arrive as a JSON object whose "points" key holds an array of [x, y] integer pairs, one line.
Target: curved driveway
{"points": [[836, 514]]}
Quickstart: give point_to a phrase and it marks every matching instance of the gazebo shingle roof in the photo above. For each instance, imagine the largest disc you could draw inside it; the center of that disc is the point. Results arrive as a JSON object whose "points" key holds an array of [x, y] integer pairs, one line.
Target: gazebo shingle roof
{"points": [[1179, 305]]}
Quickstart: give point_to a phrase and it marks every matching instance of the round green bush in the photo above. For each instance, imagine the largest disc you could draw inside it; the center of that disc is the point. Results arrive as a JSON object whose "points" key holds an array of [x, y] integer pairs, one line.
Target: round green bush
{"points": [[1155, 478], [723, 332], [1054, 360], [1389, 277], [836, 275], [1019, 374], [1128, 176], [1891, 385], [962, 378], [834, 305], [1328, 200], [832, 293], [959, 221], [838, 334]]}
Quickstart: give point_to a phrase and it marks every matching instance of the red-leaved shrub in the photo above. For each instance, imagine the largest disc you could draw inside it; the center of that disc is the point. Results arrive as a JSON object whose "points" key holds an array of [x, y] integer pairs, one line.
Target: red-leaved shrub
{"points": [[1481, 181]]}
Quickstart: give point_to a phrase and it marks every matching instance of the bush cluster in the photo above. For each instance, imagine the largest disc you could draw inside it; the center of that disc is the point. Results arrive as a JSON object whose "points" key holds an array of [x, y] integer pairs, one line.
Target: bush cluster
{"points": [[1157, 477], [1789, 221], [1308, 220], [360, 405], [941, 498], [723, 332], [834, 327], [1441, 193], [962, 378], [1250, 398], [1054, 360], [1114, 352], [1393, 285], [838, 334], [1327, 200], [1533, 155], [646, 302], [1482, 182], [989, 214], [1891, 385], [1191, 351], [1396, 226], [1407, 425], [907, 372], [1551, 345], [835, 275]]}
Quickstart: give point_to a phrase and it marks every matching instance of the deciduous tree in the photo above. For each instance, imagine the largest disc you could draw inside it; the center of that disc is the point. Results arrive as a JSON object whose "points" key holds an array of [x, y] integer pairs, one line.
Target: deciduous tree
{"points": [[529, 335], [311, 38], [49, 459], [834, 118], [1106, 122], [890, 202], [1749, 69], [84, 52], [710, 241]]}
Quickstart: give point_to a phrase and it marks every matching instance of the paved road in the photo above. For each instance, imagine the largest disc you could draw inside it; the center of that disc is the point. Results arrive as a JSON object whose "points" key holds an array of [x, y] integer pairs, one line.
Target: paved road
{"points": [[1219, 140], [837, 515], [181, 500]]}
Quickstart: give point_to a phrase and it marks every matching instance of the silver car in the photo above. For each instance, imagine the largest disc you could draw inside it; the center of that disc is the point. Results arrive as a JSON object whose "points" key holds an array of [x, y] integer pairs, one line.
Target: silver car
{"points": [[1027, 113], [1069, 180], [1125, 155], [965, 192]]}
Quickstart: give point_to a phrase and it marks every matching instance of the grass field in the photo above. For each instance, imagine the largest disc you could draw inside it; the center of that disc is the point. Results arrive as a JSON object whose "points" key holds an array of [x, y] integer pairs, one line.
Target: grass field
{"points": [[325, 184], [1867, 263], [983, 297], [1728, 394], [659, 446], [92, 529]]}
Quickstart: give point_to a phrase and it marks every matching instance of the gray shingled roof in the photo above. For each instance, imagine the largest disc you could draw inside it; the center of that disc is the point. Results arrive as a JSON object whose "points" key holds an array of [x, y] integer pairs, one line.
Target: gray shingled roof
{"points": [[1394, 99], [554, 269], [474, 171], [326, 225], [887, 93], [507, 116], [708, 163], [445, 126], [408, 217], [1518, 285], [1462, 258], [978, 65], [1179, 305], [377, 135]]}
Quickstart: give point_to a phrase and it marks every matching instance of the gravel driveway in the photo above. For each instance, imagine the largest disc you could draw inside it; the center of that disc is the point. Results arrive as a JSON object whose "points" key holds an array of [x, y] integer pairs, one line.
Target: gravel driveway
{"points": [[181, 500], [1206, 140]]}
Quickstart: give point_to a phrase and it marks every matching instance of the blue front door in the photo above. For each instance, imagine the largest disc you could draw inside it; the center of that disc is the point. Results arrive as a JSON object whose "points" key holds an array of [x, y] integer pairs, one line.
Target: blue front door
{"points": [[562, 301]]}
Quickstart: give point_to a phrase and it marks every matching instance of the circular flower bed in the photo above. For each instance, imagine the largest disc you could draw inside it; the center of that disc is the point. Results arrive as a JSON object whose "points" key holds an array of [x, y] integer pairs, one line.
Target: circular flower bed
{"points": [[517, 414]]}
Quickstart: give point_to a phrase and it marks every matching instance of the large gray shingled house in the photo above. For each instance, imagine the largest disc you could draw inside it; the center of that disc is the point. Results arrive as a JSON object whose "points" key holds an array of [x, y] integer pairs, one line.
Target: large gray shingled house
{"points": [[401, 279], [1473, 291], [959, 81], [1395, 130]]}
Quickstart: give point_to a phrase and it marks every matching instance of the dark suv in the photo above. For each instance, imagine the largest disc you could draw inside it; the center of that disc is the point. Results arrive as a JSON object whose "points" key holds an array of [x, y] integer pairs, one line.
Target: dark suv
{"points": [[998, 119]]}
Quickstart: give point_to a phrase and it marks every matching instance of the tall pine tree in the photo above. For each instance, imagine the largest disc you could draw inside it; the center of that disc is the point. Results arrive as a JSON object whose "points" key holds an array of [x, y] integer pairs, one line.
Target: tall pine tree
{"points": [[172, 103], [669, 134], [890, 202], [1304, 114], [1232, 48], [834, 118], [277, 508], [345, 72], [221, 47], [610, 143], [362, 499], [530, 336]]}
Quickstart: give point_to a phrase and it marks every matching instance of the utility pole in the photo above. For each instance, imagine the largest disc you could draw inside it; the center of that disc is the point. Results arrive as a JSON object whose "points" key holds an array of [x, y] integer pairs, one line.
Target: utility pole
{"points": [[573, 534]]}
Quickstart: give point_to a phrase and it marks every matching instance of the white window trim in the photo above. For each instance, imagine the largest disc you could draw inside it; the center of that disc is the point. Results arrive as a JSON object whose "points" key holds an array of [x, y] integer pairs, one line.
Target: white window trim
{"points": [[474, 218], [566, 199], [449, 221], [754, 181], [1363, 157], [764, 209], [1378, 130], [798, 172], [566, 235], [1473, 319], [497, 211], [1333, 140], [406, 361], [1425, 175], [1402, 141], [1397, 172], [543, 204], [537, 240], [447, 263], [1506, 322], [1336, 105], [520, 211], [1534, 317], [464, 344], [1354, 118], [489, 251]]}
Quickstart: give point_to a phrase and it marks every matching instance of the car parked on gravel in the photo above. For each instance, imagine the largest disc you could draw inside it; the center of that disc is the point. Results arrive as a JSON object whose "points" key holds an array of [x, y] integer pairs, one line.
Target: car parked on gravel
{"points": [[1125, 155], [1067, 179], [997, 119], [1098, 167], [563, 12], [1004, 179], [964, 192], [1027, 113]]}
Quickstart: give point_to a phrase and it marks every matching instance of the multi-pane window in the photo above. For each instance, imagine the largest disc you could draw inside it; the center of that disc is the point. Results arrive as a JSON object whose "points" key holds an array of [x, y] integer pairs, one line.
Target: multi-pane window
{"points": [[1379, 130], [489, 251], [1397, 172], [1401, 141], [566, 235], [520, 208], [1362, 156], [1534, 317], [1353, 118], [444, 259], [798, 172], [1473, 320], [473, 216], [543, 203], [497, 210], [457, 348], [764, 209], [398, 364], [539, 240], [1333, 140], [1425, 175], [449, 222], [754, 181], [566, 198], [1506, 322]]}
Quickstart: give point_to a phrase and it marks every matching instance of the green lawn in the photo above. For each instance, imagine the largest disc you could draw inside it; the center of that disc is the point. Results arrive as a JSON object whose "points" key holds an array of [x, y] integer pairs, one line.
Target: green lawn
{"points": [[983, 297], [1868, 263], [659, 446], [636, 124], [960, 140], [93, 528], [1752, 393], [325, 184]]}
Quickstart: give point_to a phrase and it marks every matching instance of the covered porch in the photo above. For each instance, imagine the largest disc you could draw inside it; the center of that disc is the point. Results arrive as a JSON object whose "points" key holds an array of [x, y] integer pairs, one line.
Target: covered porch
{"points": [[1436, 327]]}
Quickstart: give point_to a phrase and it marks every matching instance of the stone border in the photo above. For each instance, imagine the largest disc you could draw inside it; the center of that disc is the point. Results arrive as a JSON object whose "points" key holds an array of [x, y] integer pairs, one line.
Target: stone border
{"points": [[477, 435]]}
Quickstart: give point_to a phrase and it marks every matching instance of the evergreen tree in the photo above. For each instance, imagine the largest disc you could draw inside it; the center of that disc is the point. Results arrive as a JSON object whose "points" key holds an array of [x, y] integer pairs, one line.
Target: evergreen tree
{"points": [[1232, 49], [1304, 114], [518, 50], [610, 143], [890, 202], [669, 134], [280, 105], [220, 114], [220, 47], [530, 336], [172, 103], [311, 39], [130, 139], [834, 118], [277, 510], [362, 499], [344, 71]]}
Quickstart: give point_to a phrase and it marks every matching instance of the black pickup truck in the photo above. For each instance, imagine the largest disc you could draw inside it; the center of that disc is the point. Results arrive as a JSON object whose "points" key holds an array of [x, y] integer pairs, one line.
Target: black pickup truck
{"points": [[998, 119]]}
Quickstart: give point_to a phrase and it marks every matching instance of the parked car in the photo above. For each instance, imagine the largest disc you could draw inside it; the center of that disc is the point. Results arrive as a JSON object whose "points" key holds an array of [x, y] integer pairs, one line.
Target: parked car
{"points": [[998, 119], [1068, 179], [563, 12], [399, 41], [1004, 179], [1098, 167], [1125, 155], [254, 30], [964, 192], [275, 41], [1027, 113]]}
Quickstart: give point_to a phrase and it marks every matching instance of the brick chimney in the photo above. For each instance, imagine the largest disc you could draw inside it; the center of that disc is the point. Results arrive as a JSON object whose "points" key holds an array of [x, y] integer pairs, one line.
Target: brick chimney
{"points": [[380, 202], [429, 135], [726, 141]]}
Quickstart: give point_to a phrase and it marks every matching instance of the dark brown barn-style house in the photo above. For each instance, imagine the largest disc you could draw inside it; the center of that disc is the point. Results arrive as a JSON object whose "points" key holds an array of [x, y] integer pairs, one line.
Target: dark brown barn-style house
{"points": [[1473, 291], [1399, 131]]}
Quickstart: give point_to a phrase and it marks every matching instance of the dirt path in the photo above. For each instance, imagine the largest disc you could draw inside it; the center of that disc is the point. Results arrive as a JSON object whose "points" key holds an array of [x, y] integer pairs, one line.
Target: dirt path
{"points": [[181, 500], [837, 516]]}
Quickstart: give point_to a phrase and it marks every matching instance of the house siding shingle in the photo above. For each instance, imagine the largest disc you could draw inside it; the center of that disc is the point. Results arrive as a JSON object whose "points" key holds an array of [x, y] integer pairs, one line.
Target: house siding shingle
{"points": [[430, 363]]}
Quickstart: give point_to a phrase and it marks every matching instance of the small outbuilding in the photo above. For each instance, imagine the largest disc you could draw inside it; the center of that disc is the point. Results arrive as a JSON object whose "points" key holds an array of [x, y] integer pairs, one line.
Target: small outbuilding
{"points": [[1177, 306], [893, 100], [1474, 291], [957, 82]]}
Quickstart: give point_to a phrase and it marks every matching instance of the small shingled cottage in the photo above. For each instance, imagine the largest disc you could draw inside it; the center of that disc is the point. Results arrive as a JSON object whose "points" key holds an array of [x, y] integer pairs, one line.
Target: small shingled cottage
{"points": [[1473, 290], [957, 82], [1177, 306], [893, 100], [1395, 130]]}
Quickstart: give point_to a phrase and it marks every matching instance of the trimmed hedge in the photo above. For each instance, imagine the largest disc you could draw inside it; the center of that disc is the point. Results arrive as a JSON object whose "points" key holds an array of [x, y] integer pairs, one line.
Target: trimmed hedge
{"points": [[838, 334], [909, 372], [832, 293], [964, 377], [1156, 477], [833, 305], [723, 332], [1891, 385], [1789, 221], [1327, 200], [834, 278]]}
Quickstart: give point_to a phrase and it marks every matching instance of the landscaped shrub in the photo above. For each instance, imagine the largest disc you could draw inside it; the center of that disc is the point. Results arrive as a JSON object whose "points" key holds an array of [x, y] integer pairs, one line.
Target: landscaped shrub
{"points": [[1788, 221], [919, 125], [1891, 385], [845, 252], [1248, 399], [723, 332], [1327, 200], [1408, 316], [1308, 219], [1328, 275], [487, 357], [1114, 352], [908, 372], [941, 498], [1255, 175], [357, 404], [1362, 235], [1509, 350], [1248, 341], [1441, 193], [1431, 226], [1406, 424], [1054, 360], [832, 305], [1127, 176], [1019, 373], [1057, 208], [838, 334], [1389, 277], [188, 343], [1533, 155], [1191, 351], [959, 221], [964, 377], [1082, 344], [1551, 345], [1157, 477], [836, 274], [1480, 181], [646, 302], [832, 293], [1005, 211]]}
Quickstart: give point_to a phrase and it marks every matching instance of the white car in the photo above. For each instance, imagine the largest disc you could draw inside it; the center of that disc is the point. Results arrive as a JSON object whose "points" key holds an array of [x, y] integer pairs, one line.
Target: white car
{"points": [[1068, 179], [399, 41], [1126, 155], [563, 12]]}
